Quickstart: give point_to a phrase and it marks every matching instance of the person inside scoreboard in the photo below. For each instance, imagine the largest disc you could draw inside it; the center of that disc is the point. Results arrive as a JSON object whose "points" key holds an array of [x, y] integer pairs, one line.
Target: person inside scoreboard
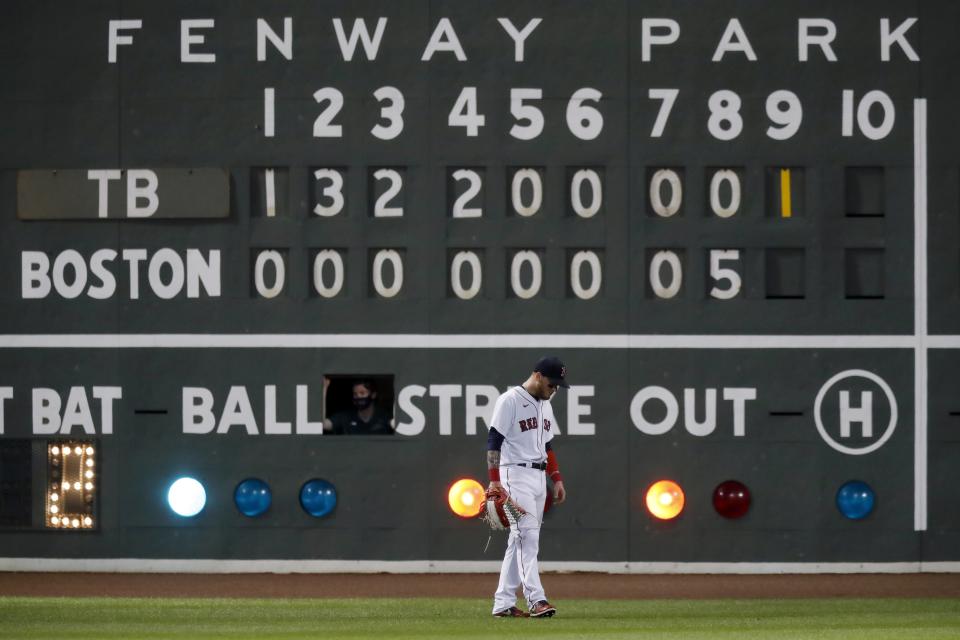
{"points": [[365, 417]]}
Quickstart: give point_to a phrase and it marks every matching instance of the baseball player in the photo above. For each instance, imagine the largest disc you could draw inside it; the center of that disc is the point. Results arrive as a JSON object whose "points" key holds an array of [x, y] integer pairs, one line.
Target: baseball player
{"points": [[518, 454]]}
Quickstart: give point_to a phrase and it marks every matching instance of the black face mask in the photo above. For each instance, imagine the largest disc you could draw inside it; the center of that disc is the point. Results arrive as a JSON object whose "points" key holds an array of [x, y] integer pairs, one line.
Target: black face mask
{"points": [[362, 403]]}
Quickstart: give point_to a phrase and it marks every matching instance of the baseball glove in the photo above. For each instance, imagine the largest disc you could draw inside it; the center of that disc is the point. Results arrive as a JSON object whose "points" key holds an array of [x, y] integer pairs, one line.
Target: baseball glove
{"points": [[499, 510]]}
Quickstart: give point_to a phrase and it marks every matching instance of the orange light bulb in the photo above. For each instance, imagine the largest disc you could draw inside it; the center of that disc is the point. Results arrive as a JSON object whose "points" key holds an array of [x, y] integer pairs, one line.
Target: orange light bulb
{"points": [[665, 500], [465, 497]]}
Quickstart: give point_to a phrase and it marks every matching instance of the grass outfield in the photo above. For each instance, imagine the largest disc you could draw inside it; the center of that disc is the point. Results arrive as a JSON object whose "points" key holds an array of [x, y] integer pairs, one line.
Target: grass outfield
{"points": [[385, 619]]}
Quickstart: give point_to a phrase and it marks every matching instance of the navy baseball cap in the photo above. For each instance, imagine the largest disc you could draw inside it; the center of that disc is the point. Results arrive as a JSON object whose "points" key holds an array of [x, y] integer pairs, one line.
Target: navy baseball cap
{"points": [[553, 369]]}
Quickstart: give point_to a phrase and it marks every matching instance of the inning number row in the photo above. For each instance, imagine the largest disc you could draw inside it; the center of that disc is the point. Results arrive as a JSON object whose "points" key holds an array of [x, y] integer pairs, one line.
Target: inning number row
{"points": [[585, 120]]}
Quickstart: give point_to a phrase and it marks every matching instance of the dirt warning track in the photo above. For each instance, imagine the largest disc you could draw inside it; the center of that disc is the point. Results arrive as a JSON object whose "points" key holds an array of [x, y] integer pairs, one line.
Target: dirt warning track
{"points": [[560, 586]]}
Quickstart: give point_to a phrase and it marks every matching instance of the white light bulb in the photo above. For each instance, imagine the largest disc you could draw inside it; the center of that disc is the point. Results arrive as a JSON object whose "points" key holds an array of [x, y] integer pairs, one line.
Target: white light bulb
{"points": [[89, 451], [186, 497], [78, 450], [76, 485], [54, 520], [88, 486], [66, 451], [88, 474], [89, 462], [76, 523], [55, 451], [54, 497], [66, 487], [54, 509], [88, 521]]}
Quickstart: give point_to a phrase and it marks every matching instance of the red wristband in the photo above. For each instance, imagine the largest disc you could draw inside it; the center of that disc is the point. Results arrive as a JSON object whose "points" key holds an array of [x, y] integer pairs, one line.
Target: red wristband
{"points": [[494, 474], [553, 468]]}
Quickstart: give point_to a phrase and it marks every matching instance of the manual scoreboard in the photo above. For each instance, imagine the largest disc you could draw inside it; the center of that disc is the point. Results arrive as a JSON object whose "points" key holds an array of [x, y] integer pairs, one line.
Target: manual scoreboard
{"points": [[737, 224]]}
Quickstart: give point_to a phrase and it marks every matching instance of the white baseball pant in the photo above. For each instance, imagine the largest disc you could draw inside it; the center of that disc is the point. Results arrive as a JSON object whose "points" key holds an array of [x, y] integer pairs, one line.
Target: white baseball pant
{"points": [[528, 487]]}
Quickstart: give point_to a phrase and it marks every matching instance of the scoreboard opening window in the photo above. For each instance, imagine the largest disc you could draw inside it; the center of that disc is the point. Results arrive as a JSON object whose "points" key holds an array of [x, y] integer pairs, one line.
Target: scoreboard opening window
{"points": [[327, 274], [269, 273], [270, 192], [525, 273], [863, 274], [585, 198], [358, 404], [785, 192], [665, 269], [16, 483], [864, 188], [725, 193], [465, 273], [72, 484], [328, 191], [665, 192], [785, 273], [385, 192], [525, 191], [466, 197], [385, 269], [585, 275]]}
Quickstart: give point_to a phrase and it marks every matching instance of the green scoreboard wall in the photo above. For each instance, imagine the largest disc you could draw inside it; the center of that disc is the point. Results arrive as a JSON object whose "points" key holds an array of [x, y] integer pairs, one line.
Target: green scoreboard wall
{"points": [[736, 222]]}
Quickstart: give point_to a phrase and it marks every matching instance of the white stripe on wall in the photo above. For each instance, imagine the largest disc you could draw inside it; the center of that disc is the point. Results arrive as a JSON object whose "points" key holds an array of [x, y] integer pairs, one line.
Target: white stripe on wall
{"points": [[920, 389], [461, 341], [142, 565]]}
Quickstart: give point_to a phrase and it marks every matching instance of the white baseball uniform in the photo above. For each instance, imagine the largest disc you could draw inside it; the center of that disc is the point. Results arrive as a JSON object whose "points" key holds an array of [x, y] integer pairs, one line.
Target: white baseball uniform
{"points": [[527, 425]]}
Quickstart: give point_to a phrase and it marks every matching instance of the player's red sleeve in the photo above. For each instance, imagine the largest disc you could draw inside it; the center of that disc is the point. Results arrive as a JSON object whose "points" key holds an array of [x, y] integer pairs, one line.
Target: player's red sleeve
{"points": [[553, 467]]}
